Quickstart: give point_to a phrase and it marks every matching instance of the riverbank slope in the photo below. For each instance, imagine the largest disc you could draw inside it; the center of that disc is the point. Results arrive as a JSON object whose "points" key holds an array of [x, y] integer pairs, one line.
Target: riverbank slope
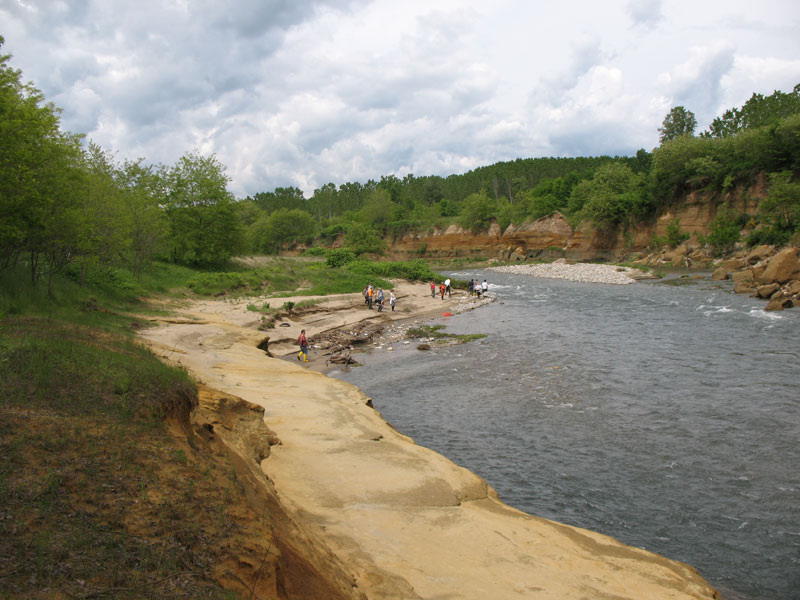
{"points": [[405, 521]]}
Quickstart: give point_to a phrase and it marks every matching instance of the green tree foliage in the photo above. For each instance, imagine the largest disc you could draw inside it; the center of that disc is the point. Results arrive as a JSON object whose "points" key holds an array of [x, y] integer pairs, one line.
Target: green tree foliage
{"points": [[363, 240], [283, 228], [726, 229], [677, 123], [614, 196], [147, 221], [288, 197], [378, 209], [779, 211], [39, 170], [203, 219], [477, 212], [758, 111], [717, 163], [675, 237]]}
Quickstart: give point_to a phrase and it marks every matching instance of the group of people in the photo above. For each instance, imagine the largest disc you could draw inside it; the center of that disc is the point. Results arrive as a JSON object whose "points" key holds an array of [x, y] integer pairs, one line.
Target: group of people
{"points": [[476, 288], [377, 297], [444, 288]]}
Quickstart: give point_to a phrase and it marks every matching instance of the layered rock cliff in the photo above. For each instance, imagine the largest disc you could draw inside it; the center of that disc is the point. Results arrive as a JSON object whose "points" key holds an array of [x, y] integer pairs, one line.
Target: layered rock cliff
{"points": [[553, 236]]}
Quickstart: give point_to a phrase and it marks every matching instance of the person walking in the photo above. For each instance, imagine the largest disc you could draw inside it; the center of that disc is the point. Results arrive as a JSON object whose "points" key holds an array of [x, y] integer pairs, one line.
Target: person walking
{"points": [[441, 289], [380, 299], [471, 287], [370, 293], [433, 289], [392, 299], [484, 287], [302, 341], [447, 286]]}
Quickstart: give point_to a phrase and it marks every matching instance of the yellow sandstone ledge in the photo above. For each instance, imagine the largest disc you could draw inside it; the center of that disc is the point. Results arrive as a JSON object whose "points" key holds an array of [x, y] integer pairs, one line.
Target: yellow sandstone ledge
{"points": [[406, 522]]}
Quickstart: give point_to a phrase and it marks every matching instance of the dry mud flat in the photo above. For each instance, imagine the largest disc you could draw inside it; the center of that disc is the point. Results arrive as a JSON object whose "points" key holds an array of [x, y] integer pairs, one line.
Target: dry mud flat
{"points": [[405, 521]]}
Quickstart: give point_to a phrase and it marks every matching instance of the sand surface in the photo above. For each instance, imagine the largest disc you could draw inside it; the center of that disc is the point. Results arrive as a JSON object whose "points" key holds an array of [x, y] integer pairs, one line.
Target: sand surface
{"points": [[407, 521]]}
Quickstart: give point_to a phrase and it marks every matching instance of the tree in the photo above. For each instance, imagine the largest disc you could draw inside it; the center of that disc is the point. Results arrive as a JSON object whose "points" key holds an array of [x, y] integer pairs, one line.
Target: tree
{"points": [[378, 208], [39, 177], [204, 223], [149, 225], [284, 226], [781, 207], [678, 122], [477, 212], [758, 111], [613, 196]]}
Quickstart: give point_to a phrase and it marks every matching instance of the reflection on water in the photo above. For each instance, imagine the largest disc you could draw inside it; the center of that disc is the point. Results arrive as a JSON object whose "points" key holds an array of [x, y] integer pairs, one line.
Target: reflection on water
{"points": [[667, 417]]}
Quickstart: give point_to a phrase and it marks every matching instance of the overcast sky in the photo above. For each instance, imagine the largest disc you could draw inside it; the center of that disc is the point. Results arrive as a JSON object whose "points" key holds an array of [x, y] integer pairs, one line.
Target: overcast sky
{"points": [[306, 92]]}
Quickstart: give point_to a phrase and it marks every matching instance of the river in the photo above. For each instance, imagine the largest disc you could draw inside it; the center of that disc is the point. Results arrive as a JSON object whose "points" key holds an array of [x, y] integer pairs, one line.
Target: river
{"points": [[666, 416]]}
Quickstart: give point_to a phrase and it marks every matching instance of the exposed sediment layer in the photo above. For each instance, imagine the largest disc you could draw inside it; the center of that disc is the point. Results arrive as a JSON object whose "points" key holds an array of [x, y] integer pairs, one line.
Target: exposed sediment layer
{"points": [[408, 522]]}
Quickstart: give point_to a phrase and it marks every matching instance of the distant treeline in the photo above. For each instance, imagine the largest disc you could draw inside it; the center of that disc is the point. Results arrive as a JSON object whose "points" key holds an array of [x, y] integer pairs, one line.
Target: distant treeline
{"points": [[69, 206]]}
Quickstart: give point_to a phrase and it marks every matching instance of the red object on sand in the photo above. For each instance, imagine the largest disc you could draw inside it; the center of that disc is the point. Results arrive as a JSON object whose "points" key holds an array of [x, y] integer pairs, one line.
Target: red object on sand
{"points": [[447, 314]]}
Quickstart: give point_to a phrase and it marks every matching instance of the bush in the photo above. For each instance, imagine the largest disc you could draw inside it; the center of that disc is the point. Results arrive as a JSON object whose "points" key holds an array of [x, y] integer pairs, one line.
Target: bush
{"points": [[675, 237], [414, 270], [338, 257], [363, 240], [726, 230]]}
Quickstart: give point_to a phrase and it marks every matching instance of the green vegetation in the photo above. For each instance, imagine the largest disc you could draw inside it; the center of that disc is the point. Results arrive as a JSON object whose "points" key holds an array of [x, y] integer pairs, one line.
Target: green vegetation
{"points": [[725, 230], [71, 208], [442, 337], [677, 123], [97, 498]]}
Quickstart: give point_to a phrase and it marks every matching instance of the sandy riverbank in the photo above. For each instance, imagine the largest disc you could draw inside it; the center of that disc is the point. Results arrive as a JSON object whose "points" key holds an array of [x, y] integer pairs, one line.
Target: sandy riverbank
{"points": [[407, 522]]}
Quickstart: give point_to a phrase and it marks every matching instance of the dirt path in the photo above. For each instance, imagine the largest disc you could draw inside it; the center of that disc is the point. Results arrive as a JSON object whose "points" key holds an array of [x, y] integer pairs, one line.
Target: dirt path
{"points": [[407, 521]]}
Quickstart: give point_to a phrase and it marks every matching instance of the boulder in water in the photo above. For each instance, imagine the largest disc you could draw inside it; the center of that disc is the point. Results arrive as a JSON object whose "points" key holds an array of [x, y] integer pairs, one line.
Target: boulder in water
{"points": [[782, 267], [766, 291]]}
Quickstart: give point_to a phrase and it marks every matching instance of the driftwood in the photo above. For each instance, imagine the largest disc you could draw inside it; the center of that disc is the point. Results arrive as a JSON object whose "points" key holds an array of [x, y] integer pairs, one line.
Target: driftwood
{"points": [[343, 358]]}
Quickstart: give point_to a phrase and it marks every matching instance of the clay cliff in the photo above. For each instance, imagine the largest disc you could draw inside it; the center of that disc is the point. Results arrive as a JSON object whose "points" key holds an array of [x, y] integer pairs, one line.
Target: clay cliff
{"points": [[554, 237]]}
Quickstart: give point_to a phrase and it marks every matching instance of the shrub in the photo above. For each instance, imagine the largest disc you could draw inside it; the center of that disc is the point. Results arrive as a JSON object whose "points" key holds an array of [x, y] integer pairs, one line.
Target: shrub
{"points": [[675, 237], [725, 231], [338, 257]]}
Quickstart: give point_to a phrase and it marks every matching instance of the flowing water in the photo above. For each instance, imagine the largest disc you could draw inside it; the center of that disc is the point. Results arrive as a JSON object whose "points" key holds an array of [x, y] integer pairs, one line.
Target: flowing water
{"points": [[665, 416]]}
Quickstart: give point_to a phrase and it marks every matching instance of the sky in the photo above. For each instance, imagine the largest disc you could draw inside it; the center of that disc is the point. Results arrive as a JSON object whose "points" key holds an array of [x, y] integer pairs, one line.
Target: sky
{"points": [[306, 92]]}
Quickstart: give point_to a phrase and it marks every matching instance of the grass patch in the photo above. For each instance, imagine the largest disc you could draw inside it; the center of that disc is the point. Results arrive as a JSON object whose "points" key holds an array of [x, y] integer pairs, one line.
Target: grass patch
{"points": [[97, 498]]}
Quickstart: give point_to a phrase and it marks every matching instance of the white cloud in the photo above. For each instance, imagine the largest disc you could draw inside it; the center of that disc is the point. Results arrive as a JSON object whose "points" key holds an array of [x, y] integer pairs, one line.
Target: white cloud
{"points": [[306, 92]]}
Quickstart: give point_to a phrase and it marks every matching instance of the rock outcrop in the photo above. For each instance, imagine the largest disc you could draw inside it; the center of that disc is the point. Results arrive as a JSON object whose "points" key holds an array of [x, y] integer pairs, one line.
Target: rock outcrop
{"points": [[764, 273], [553, 236]]}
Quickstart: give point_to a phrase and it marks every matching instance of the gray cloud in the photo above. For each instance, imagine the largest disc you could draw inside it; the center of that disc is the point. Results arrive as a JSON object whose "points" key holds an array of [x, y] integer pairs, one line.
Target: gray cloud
{"points": [[645, 13], [697, 83], [314, 91]]}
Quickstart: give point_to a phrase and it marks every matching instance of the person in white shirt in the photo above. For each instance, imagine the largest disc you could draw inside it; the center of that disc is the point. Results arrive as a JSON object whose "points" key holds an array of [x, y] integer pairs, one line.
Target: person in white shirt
{"points": [[447, 286], [485, 286]]}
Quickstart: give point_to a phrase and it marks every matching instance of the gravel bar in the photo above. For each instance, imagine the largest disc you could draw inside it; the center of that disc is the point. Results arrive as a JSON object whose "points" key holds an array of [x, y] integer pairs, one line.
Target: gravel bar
{"points": [[586, 272]]}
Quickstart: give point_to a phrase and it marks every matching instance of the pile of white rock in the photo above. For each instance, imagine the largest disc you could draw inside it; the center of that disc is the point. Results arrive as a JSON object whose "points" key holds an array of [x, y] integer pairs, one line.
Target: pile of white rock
{"points": [[586, 272]]}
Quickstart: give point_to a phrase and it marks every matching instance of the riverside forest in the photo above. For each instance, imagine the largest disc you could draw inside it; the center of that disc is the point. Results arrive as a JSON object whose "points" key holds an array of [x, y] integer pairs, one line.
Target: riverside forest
{"points": [[88, 418]]}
